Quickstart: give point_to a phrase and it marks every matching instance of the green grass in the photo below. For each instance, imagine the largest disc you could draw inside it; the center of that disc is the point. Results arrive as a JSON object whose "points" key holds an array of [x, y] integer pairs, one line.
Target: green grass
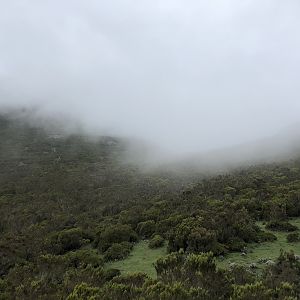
{"points": [[269, 250], [141, 259]]}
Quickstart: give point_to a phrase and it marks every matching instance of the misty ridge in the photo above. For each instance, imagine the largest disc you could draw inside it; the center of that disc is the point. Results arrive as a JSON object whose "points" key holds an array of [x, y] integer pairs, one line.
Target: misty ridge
{"points": [[150, 158], [185, 79]]}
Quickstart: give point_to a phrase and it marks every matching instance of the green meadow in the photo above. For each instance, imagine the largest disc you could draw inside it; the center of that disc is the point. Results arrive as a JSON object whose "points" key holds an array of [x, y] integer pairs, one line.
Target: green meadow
{"points": [[141, 259]]}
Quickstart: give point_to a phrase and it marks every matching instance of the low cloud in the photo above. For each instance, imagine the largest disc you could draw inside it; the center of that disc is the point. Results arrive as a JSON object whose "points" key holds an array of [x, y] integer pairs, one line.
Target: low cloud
{"points": [[187, 76]]}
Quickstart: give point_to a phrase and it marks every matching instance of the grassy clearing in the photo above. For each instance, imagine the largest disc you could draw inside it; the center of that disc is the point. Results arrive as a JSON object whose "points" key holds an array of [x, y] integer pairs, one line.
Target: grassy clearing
{"points": [[141, 259], [269, 250]]}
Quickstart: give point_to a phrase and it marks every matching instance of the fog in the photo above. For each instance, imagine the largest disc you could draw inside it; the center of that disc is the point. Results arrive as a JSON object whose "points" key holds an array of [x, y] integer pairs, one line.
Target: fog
{"points": [[185, 76]]}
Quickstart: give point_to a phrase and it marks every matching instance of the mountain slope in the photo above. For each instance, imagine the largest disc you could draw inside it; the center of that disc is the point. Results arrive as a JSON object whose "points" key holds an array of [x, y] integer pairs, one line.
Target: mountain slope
{"points": [[69, 205]]}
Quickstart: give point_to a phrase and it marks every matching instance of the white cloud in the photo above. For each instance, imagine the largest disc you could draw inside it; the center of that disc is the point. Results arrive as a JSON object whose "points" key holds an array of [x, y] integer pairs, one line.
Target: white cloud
{"points": [[188, 75]]}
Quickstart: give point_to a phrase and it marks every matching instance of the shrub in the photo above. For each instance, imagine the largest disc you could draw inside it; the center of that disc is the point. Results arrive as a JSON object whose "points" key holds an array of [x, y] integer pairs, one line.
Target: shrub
{"points": [[281, 226], [117, 251], [133, 279], [266, 237], [293, 237], [66, 240], [251, 291], [192, 237], [167, 225], [146, 229], [236, 244], [200, 269], [71, 239], [156, 242], [83, 291], [115, 234], [202, 240], [111, 273], [84, 257]]}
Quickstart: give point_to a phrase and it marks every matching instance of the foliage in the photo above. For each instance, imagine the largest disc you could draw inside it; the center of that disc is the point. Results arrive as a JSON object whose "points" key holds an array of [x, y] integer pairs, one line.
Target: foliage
{"points": [[194, 271], [266, 237], [156, 242], [117, 251], [68, 204], [115, 234], [146, 229], [66, 240], [280, 226], [293, 237], [252, 292], [84, 291]]}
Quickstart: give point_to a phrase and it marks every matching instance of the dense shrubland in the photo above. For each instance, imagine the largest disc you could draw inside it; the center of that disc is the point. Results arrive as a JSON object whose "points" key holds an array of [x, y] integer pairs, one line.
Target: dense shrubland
{"points": [[69, 205], [195, 276]]}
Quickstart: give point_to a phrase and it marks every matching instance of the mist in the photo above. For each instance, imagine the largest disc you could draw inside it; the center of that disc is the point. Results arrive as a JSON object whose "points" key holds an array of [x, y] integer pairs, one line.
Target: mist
{"points": [[185, 76]]}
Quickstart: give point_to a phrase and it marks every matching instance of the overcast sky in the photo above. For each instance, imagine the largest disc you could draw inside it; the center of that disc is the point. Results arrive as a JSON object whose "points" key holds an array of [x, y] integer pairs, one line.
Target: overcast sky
{"points": [[188, 75]]}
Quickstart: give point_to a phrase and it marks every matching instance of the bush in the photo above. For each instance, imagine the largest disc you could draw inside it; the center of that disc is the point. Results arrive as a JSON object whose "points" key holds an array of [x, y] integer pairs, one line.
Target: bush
{"points": [[156, 242], [117, 251], [66, 240], [281, 226], [266, 237], [111, 273], [146, 229], [115, 234], [133, 279], [251, 291], [84, 291], [84, 257], [236, 244], [293, 237], [190, 236], [167, 225]]}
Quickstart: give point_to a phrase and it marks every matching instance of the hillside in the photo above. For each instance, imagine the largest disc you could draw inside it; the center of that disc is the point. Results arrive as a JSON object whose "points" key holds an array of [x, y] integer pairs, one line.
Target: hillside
{"points": [[70, 206]]}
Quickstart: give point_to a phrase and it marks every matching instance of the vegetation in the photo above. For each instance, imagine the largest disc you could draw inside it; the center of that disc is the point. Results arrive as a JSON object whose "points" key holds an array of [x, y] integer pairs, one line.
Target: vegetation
{"points": [[195, 276], [156, 242], [71, 210], [293, 237], [280, 226], [117, 251], [261, 254], [141, 259]]}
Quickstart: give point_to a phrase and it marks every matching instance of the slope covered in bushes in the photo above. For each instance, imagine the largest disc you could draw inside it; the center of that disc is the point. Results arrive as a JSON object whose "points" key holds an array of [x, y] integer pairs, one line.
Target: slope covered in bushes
{"points": [[70, 205]]}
